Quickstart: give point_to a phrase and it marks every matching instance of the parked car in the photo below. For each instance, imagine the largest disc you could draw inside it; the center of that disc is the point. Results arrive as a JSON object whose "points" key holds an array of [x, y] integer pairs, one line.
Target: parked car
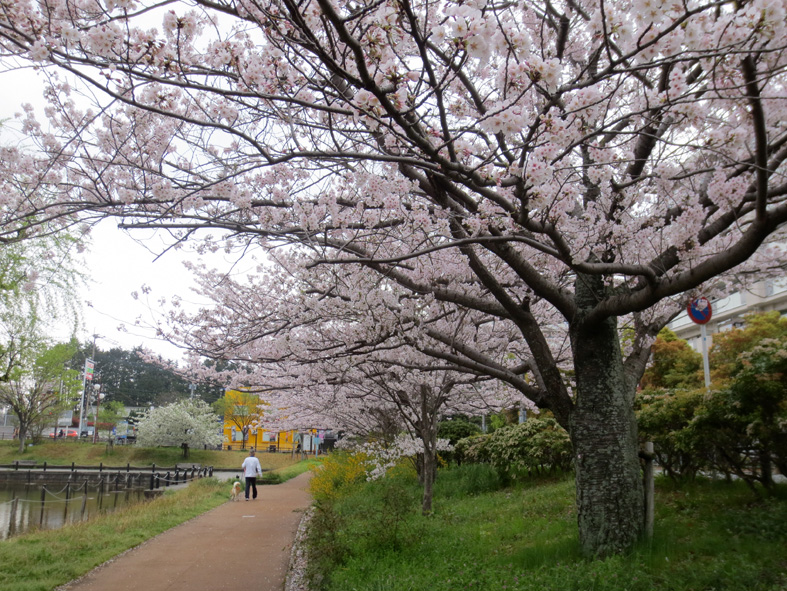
{"points": [[65, 433]]}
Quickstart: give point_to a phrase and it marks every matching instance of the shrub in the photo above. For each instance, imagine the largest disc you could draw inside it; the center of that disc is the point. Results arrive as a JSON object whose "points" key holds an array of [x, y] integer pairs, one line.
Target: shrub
{"points": [[457, 429], [537, 445], [473, 450], [738, 429], [336, 472], [665, 418], [454, 431]]}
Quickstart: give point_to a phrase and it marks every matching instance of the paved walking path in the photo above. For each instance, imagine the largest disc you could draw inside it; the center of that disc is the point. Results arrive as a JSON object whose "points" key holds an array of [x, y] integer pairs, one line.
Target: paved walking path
{"points": [[238, 545]]}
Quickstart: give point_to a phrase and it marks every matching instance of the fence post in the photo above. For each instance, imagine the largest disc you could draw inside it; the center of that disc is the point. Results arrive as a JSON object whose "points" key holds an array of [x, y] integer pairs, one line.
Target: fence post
{"points": [[12, 518], [84, 499], [650, 491], [41, 518]]}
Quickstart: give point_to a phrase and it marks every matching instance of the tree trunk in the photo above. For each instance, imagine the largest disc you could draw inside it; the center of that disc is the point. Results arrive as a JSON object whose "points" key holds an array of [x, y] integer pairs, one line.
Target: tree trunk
{"points": [[430, 469], [22, 439], [603, 429]]}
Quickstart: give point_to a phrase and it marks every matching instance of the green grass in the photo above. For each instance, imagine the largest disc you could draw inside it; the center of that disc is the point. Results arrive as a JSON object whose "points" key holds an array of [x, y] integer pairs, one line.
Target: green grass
{"points": [[43, 560], [710, 536], [287, 472], [89, 454]]}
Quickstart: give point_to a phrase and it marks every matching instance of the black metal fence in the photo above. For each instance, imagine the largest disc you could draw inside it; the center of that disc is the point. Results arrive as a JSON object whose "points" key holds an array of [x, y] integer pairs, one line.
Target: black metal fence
{"points": [[150, 477]]}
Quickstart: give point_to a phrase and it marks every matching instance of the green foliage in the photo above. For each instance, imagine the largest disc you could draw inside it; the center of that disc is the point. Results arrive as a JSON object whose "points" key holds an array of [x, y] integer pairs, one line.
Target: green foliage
{"points": [[537, 445], [242, 409], [746, 421], [728, 346], [710, 535], [457, 429], [674, 364], [498, 421], [130, 379], [37, 385], [454, 431], [759, 392], [111, 413], [740, 427], [474, 450], [665, 418]]}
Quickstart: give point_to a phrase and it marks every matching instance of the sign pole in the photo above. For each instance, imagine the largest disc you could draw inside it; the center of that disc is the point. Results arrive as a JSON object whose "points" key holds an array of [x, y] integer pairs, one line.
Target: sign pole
{"points": [[705, 364], [87, 375], [700, 312]]}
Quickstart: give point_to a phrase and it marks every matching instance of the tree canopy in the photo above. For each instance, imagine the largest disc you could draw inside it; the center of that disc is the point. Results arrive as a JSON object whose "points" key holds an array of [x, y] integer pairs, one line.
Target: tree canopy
{"points": [[40, 384], [188, 421], [128, 377]]}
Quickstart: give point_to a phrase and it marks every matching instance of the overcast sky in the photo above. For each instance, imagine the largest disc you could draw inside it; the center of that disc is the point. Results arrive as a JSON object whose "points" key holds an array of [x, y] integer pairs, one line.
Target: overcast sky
{"points": [[118, 265]]}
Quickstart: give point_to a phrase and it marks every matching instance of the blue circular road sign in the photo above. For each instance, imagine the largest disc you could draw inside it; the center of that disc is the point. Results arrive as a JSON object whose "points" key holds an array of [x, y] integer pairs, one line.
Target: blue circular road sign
{"points": [[699, 310]]}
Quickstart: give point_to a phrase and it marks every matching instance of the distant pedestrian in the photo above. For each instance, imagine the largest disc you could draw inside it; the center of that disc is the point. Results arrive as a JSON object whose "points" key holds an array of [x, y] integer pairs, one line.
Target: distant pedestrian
{"points": [[251, 467]]}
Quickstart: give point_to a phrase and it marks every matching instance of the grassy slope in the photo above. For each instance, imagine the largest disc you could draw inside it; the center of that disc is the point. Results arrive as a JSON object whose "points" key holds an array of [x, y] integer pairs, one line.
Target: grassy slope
{"points": [[88, 454], [709, 536]]}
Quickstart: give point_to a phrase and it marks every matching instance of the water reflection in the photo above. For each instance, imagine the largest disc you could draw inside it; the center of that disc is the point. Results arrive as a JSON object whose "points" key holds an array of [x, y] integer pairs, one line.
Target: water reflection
{"points": [[22, 509]]}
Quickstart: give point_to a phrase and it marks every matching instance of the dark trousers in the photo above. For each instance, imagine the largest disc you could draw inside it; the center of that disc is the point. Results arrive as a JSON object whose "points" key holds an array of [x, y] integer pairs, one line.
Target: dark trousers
{"points": [[251, 482]]}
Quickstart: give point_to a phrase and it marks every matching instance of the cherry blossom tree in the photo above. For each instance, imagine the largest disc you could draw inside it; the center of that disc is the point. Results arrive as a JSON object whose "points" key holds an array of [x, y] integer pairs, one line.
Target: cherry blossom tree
{"points": [[558, 168], [317, 361], [189, 421]]}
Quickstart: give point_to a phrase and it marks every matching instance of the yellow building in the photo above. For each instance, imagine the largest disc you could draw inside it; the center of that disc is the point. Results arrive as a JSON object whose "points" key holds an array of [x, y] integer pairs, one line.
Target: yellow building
{"points": [[273, 441], [241, 413]]}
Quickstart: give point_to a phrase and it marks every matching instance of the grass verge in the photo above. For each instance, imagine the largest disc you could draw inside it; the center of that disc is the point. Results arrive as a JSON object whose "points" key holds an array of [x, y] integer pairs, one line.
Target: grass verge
{"points": [[88, 454], [710, 536], [287, 472], [41, 561]]}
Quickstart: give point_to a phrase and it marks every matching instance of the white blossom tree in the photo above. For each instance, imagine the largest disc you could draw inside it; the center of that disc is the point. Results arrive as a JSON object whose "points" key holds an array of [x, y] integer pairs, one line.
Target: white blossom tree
{"points": [[554, 166], [188, 421]]}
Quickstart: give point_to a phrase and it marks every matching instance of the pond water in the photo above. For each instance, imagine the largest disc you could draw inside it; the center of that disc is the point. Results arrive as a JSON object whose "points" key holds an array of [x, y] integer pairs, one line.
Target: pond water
{"points": [[21, 508]]}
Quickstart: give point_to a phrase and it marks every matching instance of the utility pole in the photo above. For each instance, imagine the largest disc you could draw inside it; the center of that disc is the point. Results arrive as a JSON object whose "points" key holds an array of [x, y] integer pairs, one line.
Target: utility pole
{"points": [[87, 376]]}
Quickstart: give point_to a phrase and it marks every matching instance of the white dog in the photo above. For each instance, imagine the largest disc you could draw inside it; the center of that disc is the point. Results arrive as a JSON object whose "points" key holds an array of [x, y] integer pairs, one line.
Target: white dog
{"points": [[236, 490]]}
